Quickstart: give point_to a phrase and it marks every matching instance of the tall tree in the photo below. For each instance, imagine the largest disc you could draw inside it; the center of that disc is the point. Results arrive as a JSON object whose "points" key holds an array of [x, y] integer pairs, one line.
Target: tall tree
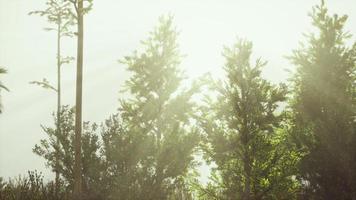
{"points": [[58, 13], [244, 133], [160, 111], [80, 10], [324, 106], [2, 86], [78, 104]]}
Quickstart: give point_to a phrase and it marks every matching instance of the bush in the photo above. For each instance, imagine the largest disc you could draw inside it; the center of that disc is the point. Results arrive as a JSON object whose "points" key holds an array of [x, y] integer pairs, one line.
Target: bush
{"points": [[31, 187]]}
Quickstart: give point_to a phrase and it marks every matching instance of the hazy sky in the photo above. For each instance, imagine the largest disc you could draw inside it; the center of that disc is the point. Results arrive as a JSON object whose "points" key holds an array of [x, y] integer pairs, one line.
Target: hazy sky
{"points": [[112, 30]]}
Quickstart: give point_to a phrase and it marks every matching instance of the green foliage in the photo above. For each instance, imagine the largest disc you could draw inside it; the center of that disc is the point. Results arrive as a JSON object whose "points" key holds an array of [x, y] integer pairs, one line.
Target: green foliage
{"points": [[63, 144], [146, 151], [260, 147], [31, 187], [59, 13], [159, 112], [244, 133], [324, 108], [122, 151]]}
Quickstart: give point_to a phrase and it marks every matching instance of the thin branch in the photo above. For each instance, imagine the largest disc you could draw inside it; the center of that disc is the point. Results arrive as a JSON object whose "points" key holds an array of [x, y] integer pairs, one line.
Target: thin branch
{"points": [[44, 84], [74, 2]]}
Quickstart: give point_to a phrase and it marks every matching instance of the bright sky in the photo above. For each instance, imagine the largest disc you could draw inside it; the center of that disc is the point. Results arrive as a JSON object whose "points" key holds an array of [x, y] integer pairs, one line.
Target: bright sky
{"points": [[112, 30]]}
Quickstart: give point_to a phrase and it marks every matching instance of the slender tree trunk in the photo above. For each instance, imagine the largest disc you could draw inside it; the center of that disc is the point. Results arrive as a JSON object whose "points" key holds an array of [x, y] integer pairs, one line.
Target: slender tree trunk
{"points": [[58, 104], [78, 107], [246, 150], [246, 164], [247, 169]]}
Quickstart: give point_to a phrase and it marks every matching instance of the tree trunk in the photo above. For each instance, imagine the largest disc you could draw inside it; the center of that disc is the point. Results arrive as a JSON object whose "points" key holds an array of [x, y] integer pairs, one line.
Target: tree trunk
{"points": [[78, 106], [58, 104], [247, 169]]}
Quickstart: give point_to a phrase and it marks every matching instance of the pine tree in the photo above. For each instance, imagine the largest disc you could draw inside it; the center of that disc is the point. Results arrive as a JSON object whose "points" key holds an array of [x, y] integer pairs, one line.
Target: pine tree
{"points": [[160, 111], [245, 134], [324, 107]]}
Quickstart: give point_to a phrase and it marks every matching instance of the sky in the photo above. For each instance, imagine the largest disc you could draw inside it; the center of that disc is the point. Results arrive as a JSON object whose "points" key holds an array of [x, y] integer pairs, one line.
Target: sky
{"points": [[113, 29]]}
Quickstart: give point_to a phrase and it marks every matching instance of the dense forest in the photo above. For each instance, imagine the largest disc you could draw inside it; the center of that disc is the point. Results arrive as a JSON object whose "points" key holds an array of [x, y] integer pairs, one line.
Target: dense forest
{"points": [[293, 140]]}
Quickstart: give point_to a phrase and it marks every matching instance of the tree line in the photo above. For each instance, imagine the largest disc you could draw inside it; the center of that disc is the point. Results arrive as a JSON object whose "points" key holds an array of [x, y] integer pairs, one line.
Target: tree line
{"points": [[294, 140]]}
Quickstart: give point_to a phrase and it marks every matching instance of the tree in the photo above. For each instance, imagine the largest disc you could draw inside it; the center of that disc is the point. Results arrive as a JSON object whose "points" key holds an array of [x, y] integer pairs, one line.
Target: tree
{"points": [[122, 151], [245, 133], [63, 144], [58, 12], [160, 112], [324, 108], [80, 10], [2, 86]]}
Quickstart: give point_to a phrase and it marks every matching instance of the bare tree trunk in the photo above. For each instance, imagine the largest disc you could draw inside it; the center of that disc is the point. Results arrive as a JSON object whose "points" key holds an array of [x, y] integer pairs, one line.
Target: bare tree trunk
{"points": [[58, 104], [78, 107]]}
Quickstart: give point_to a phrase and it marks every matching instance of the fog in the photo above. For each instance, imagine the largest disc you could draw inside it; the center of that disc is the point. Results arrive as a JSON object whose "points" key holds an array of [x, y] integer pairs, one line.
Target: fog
{"points": [[114, 29]]}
